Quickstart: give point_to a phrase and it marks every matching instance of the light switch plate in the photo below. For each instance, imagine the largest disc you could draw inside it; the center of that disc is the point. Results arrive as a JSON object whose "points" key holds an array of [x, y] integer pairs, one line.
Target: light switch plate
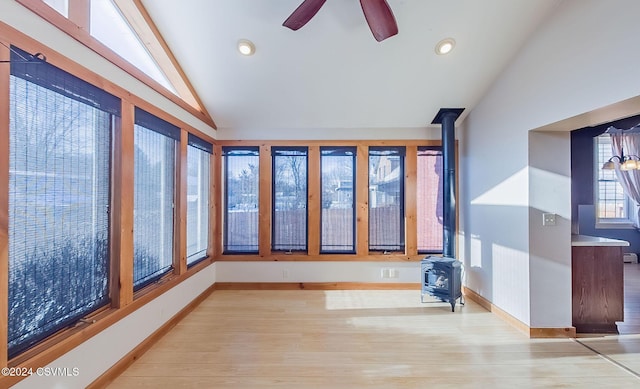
{"points": [[548, 219]]}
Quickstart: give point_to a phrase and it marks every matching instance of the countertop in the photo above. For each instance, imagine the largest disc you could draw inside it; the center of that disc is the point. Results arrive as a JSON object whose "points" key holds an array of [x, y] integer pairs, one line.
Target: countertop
{"points": [[586, 240]]}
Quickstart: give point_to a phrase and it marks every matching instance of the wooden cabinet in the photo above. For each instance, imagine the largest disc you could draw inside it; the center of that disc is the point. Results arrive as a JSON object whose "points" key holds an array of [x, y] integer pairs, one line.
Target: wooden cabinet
{"points": [[597, 276]]}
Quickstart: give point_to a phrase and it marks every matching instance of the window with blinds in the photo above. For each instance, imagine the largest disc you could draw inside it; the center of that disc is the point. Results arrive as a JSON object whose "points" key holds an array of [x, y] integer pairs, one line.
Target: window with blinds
{"points": [[155, 143], [386, 198], [241, 199], [198, 162], [338, 178], [429, 200], [289, 220], [59, 186]]}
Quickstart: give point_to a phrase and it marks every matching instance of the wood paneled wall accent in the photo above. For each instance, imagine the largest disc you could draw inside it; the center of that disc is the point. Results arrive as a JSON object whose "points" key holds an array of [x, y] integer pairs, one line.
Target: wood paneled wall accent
{"points": [[4, 202], [314, 208], [410, 200], [80, 13], [264, 194], [122, 206], [362, 200], [215, 203], [83, 36], [180, 228]]}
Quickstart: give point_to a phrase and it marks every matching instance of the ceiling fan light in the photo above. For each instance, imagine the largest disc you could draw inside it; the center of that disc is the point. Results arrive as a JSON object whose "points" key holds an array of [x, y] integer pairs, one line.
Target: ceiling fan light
{"points": [[246, 47], [445, 46]]}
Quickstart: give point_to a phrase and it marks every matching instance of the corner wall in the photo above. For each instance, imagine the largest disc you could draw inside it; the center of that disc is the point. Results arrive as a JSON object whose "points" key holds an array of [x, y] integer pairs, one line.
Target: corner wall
{"points": [[578, 61]]}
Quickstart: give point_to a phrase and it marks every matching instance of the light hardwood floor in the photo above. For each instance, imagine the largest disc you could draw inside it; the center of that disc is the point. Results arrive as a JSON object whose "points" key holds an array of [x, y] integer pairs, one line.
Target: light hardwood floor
{"points": [[369, 339]]}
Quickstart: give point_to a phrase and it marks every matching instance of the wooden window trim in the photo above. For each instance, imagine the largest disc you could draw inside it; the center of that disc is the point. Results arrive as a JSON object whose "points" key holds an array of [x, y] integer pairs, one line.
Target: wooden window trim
{"points": [[83, 36], [410, 253], [124, 301], [80, 13]]}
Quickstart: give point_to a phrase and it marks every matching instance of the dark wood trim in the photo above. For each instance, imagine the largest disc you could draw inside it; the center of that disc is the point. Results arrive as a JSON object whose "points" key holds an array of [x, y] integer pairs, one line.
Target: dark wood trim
{"points": [[135, 354], [316, 286]]}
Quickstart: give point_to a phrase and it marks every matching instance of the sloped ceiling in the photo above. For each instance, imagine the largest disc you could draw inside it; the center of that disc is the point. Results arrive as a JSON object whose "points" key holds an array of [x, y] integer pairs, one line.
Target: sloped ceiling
{"points": [[332, 73]]}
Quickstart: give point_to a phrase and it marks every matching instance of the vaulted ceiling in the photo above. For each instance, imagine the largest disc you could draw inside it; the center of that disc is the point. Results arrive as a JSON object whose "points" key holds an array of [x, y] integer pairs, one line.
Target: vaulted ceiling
{"points": [[332, 73]]}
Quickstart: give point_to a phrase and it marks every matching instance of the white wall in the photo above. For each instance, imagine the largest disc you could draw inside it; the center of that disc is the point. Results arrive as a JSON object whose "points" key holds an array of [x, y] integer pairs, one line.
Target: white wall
{"points": [[329, 133], [582, 58], [296, 271]]}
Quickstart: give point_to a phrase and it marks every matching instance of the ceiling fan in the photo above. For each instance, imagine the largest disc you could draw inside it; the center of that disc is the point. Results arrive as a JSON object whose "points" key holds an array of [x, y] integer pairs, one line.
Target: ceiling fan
{"points": [[377, 12]]}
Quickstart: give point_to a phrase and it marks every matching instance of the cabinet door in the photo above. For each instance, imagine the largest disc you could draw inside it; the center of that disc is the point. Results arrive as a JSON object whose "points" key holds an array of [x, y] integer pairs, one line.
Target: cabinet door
{"points": [[598, 288]]}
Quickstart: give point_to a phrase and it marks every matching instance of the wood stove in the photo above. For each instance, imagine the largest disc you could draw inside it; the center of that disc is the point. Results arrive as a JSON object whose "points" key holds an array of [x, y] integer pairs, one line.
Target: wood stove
{"points": [[442, 278]]}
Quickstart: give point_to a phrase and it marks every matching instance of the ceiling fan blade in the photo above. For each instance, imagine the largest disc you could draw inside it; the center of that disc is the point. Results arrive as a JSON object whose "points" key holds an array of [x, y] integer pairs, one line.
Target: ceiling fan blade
{"points": [[301, 16], [380, 18]]}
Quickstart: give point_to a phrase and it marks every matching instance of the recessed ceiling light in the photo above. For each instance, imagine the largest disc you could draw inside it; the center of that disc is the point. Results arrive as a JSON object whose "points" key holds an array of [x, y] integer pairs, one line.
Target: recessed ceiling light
{"points": [[246, 47], [445, 46]]}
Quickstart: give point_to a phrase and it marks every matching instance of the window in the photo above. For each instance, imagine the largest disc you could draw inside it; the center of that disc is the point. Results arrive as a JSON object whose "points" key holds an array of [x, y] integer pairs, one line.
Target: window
{"points": [[612, 204], [386, 198], [241, 175], [109, 26], [61, 6], [338, 199], [198, 157], [289, 199], [154, 192], [429, 200], [59, 187]]}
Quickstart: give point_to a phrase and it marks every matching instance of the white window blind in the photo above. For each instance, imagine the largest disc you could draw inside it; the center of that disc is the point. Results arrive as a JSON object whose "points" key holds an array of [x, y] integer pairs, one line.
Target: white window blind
{"points": [[59, 188], [154, 194]]}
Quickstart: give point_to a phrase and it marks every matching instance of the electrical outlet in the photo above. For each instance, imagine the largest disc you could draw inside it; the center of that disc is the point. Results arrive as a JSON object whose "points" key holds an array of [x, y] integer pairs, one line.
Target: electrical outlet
{"points": [[548, 219], [389, 273], [285, 274]]}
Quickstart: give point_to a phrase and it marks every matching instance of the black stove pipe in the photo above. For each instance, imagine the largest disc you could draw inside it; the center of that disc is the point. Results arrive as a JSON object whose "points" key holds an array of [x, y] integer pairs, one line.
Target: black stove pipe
{"points": [[447, 118]]}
